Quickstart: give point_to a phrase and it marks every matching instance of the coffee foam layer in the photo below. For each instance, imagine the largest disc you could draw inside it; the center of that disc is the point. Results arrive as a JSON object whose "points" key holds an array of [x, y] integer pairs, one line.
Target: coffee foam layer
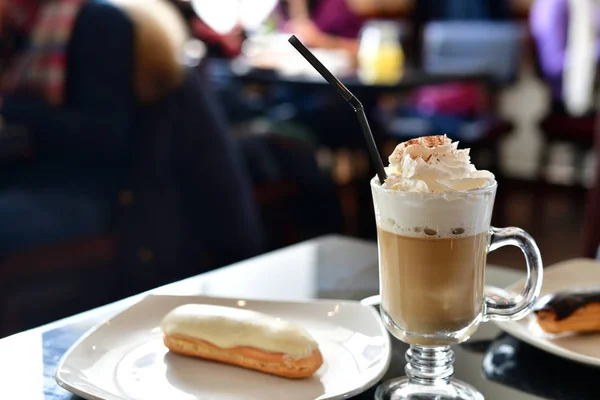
{"points": [[425, 215]]}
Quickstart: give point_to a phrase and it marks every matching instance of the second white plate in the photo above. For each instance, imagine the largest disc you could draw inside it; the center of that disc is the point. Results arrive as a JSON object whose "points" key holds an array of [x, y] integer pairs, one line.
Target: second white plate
{"points": [[580, 273], [125, 359]]}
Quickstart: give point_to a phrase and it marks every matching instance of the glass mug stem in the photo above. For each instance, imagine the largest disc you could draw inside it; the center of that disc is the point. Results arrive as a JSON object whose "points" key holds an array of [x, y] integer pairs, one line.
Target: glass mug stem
{"points": [[429, 372], [429, 365]]}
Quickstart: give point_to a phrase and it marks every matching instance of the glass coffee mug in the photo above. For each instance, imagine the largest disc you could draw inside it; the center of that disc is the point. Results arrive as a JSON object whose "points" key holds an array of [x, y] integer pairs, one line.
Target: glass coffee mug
{"points": [[432, 256]]}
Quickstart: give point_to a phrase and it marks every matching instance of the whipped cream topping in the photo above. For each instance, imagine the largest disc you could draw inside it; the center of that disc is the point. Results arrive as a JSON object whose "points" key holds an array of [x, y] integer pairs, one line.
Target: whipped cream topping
{"points": [[434, 164]]}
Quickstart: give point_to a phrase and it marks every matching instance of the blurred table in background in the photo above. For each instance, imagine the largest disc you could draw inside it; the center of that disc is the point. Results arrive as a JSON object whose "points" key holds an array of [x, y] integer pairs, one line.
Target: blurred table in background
{"points": [[412, 78], [303, 96]]}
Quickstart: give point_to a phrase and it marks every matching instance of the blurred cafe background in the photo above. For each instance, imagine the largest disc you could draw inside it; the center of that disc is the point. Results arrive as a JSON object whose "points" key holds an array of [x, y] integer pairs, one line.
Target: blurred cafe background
{"points": [[145, 141]]}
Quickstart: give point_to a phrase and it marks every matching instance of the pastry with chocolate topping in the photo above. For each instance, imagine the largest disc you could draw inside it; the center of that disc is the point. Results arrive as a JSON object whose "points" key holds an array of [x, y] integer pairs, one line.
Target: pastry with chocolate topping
{"points": [[575, 311]]}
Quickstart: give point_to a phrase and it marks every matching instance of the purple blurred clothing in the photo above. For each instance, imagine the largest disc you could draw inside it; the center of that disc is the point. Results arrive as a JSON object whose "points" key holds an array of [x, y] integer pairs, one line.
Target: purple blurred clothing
{"points": [[336, 18], [549, 20], [333, 17]]}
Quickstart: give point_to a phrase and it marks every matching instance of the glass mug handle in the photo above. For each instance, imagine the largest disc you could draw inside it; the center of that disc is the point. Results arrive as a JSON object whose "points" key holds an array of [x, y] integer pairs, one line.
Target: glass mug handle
{"points": [[498, 305]]}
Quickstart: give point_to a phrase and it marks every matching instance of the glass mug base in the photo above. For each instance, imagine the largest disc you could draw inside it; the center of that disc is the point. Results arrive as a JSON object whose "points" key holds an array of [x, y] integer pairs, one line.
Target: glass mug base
{"points": [[404, 389]]}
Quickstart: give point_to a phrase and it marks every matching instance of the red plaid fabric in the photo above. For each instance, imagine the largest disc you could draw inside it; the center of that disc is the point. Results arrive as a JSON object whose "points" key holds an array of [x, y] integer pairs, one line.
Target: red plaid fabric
{"points": [[39, 69]]}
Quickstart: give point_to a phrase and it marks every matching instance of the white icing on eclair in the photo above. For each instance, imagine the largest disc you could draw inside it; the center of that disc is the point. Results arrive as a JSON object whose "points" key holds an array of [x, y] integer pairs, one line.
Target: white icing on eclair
{"points": [[229, 327]]}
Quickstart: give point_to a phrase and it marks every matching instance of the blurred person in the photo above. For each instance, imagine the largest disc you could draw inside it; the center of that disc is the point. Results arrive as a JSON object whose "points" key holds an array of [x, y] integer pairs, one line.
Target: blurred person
{"points": [[70, 76], [566, 37], [330, 24], [100, 88]]}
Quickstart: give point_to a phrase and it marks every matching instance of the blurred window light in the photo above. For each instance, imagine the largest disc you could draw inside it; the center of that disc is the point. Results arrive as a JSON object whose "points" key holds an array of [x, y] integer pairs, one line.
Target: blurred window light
{"points": [[224, 15]]}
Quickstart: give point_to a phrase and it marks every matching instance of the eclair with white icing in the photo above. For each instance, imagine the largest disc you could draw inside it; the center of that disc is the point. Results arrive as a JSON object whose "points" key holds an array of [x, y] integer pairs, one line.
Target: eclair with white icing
{"points": [[243, 338]]}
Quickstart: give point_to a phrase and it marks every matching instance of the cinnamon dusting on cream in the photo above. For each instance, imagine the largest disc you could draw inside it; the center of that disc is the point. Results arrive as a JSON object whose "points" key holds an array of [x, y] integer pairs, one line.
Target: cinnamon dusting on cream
{"points": [[433, 164]]}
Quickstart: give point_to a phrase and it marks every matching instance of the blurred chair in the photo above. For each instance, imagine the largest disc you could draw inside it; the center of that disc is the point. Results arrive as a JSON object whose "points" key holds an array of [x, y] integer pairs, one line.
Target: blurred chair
{"points": [[297, 199], [178, 203], [558, 126]]}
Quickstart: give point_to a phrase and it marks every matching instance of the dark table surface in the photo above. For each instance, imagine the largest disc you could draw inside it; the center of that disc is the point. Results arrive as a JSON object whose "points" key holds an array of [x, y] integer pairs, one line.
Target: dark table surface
{"points": [[331, 267]]}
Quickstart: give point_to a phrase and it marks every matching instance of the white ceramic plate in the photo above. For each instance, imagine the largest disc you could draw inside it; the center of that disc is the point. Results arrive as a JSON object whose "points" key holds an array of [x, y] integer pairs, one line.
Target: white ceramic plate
{"points": [[125, 359], [574, 274]]}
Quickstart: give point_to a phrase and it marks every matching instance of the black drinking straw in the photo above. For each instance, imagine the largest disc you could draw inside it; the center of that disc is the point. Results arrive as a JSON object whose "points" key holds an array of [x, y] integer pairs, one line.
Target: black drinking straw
{"points": [[350, 98]]}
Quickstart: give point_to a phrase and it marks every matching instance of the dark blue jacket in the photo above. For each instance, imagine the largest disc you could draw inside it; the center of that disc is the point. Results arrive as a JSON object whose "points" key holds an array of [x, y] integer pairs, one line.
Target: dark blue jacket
{"points": [[80, 149], [102, 144]]}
